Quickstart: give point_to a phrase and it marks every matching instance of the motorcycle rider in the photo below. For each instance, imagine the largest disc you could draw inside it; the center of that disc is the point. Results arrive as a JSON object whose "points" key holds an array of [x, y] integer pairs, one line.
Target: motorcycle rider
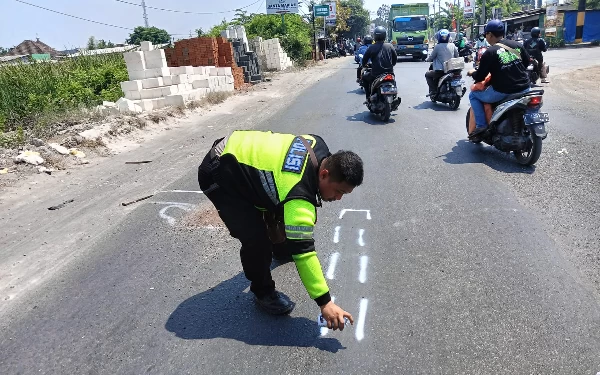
{"points": [[442, 52], [383, 59], [535, 46], [361, 51], [506, 64], [481, 42]]}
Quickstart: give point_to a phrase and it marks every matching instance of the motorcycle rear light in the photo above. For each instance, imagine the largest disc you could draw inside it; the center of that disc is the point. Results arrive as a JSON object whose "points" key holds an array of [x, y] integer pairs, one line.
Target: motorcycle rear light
{"points": [[388, 77], [535, 101]]}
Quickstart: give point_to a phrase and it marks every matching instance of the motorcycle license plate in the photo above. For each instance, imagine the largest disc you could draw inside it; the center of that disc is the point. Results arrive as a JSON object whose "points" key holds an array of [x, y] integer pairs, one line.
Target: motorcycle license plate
{"points": [[410, 46], [457, 82], [389, 90], [535, 118]]}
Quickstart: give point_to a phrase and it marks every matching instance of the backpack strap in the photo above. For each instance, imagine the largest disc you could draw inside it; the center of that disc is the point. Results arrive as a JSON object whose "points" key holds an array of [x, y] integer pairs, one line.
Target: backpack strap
{"points": [[511, 50]]}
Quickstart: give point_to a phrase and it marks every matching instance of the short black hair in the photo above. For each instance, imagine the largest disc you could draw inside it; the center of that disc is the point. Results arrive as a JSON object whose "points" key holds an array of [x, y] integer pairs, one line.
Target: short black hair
{"points": [[497, 34], [345, 166]]}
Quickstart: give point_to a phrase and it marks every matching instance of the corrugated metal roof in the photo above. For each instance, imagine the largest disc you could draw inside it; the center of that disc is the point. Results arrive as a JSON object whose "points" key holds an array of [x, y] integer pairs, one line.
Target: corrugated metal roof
{"points": [[11, 58]]}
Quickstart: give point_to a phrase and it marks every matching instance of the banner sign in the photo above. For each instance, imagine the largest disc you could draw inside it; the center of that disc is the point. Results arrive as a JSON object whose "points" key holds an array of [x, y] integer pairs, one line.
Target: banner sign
{"points": [[282, 6]]}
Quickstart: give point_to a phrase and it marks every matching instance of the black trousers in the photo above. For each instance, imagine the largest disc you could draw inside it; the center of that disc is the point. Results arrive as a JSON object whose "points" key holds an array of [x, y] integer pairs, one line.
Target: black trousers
{"points": [[245, 223], [432, 77], [367, 82]]}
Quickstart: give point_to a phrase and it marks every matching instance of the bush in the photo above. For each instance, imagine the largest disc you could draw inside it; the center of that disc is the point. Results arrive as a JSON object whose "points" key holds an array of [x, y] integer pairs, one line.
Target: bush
{"points": [[556, 42], [29, 92]]}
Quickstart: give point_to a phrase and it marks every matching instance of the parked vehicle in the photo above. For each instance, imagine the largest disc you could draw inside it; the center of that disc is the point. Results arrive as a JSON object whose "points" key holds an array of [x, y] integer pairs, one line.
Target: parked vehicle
{"points": [[384, 96], [450, 88], [517, 125]]}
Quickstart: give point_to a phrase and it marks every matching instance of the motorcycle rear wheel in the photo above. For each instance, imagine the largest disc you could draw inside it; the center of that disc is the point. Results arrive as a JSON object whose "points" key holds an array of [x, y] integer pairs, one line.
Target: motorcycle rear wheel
{"points": [[387, 112], [455, 103], [532, 156]]}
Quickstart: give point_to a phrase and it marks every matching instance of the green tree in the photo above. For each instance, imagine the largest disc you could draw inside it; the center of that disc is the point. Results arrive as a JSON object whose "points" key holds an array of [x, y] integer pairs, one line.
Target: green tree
{"points": [[507, 6], [149, 34], [383, 15], [3, 51], [110, 44], [593, 4], [91, 44], [241, 17], [101, 44], [358, 20]]}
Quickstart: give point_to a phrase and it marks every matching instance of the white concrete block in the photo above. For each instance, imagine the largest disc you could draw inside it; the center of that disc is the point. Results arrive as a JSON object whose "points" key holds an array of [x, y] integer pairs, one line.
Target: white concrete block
{"points": [[159, 103], [131, 86], [201, 70], [174, 100], [146, 46], [213, 81], [203, 91], [150, 83], [179, 79], [169, 90], [225, 34], [214, 72], [133, 95], [181, 87], [188, 86], [150, 73], [146, 105], [156, 63], [126, 105], [224, 71], [201, 83], [168, 80], [162, 72], [151, 93], [133, 57], [157, 54], [229, 79], [136, 75], [222, 80]]}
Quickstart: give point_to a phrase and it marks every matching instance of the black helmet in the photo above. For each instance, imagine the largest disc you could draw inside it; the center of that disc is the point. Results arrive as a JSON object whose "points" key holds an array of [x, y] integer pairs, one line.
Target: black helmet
{"points": [[367, 40], [380, 34], [535, 32]]}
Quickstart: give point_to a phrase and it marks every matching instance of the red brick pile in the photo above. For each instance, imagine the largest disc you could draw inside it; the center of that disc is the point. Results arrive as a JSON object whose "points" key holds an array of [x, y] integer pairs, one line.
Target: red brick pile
{"points": [[205, 52], [193, 52]]}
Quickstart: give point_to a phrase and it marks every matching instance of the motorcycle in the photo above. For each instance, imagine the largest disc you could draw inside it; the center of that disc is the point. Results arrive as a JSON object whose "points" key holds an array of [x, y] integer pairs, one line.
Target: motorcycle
{"points": [[478, 55], [450, 86], [362, 71], [384, 95], [517, 125], [533, 72], [466, 52]]}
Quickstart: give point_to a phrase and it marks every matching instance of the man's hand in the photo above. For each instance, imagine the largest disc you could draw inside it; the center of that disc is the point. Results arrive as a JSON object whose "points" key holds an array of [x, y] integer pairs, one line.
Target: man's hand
{"points": [[334, 316], [471, 72]]}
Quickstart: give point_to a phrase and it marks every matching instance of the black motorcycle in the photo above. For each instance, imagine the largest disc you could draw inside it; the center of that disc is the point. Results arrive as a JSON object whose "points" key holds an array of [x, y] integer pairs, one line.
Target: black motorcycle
{"points": [[450, 88], [517, 125], [384, 95]]}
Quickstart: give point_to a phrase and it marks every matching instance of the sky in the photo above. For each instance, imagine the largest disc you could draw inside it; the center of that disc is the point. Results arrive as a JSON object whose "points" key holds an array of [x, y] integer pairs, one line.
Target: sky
{"points": [[62, 32]]}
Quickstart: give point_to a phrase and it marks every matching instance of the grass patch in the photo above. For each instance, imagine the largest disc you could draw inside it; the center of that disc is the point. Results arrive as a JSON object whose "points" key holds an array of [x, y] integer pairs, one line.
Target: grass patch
{"points": [[218, 97], [157, 117], [34, 95]]}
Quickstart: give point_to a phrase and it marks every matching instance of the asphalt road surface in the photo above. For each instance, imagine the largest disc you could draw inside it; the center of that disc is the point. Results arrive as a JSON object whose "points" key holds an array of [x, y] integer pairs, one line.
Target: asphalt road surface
{"points": [[447, 266]]}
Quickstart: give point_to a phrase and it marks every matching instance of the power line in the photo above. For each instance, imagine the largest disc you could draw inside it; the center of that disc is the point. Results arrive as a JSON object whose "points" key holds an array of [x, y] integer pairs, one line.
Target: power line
{"points": [[260, 6], [70, 15], [187, 12]]}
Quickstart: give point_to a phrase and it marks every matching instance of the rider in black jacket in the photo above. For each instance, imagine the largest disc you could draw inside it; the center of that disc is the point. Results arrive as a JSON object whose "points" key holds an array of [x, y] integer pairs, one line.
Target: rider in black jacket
{"points": [[535, 46], [383, 59]]}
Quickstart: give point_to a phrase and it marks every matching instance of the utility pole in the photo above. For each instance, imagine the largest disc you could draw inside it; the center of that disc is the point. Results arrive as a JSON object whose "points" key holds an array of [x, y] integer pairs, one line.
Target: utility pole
{"points": [[145, 14], [580, 19], [483, 13], [312, 11]]}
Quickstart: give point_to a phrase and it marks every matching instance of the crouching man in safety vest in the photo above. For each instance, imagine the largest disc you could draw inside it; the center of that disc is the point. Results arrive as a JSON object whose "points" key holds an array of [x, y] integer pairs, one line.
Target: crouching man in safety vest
{"points": [[266, 187]]}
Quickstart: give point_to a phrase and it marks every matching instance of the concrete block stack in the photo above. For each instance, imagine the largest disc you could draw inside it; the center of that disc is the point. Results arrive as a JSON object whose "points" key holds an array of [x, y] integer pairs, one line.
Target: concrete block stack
{"points": [[154, 85], [248, 61], [271, 55]]}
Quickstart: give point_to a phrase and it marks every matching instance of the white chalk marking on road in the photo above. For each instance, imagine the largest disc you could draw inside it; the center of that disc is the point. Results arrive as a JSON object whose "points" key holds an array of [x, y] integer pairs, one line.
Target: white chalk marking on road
{"points": [[182, 191], [362, 276], [361, 242], [336, 235], [360, 325], [169, 219], [353, 210], [332, 263], [325, 330]]}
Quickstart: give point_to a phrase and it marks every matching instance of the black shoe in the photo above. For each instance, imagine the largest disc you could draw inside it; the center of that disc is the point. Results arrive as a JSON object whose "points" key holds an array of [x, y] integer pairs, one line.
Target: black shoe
{"points": [[477, 132], [275, 303]]}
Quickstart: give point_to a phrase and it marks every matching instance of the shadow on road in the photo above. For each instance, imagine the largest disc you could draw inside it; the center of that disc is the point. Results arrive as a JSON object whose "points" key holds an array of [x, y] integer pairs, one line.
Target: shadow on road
{"points": [[434, 106], [369, 118], [225, 311], [466, 152], [356, 91]]}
